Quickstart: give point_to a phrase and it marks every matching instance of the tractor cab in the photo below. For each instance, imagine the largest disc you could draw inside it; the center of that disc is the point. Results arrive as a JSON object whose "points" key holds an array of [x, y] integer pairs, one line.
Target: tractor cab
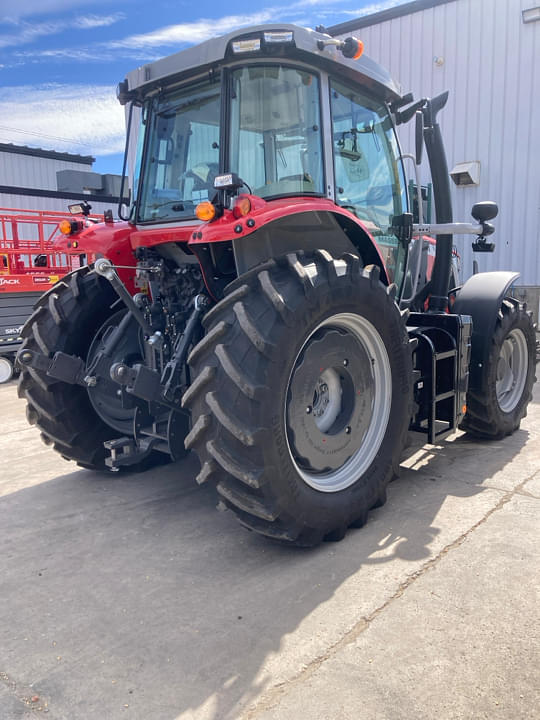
{"points": [[291, 117]]}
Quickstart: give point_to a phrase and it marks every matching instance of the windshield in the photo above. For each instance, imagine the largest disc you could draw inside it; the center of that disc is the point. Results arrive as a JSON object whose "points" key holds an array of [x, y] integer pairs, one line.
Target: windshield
{"points": [[275, 144], [182, 155]]}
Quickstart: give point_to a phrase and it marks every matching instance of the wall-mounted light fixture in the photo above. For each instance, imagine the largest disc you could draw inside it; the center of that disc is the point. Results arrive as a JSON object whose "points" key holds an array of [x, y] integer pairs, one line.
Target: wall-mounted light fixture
{"points": [[531, 15], [466, 173]]}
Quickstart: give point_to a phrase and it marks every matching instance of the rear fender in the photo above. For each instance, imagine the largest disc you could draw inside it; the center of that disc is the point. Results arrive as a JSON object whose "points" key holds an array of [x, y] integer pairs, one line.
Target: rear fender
{"points": [[285, 225], [305, 231], [481, 298]]}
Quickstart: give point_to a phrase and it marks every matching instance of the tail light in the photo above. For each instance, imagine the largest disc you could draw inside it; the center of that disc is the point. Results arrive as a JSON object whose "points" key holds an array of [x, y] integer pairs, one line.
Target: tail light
{"points": [[241, 207]]}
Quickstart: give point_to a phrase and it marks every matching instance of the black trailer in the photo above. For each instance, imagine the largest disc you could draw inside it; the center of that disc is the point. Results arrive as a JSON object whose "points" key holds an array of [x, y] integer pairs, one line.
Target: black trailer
{"points": [[15, 309]]}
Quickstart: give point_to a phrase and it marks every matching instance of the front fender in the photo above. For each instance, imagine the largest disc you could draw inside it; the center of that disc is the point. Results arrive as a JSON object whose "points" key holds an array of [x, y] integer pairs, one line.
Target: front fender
{"points": [[481, 298], [110, 240]]}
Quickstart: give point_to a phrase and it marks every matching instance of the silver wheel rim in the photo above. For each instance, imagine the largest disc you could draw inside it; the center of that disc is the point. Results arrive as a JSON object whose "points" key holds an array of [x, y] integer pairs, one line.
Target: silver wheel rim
{"points": [[372, 344], [6, 370], [512, 367]]}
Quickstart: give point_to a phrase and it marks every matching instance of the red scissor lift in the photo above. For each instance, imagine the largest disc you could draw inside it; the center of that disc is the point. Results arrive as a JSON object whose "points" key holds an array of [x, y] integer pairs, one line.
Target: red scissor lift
{"points": [[29, 266]]}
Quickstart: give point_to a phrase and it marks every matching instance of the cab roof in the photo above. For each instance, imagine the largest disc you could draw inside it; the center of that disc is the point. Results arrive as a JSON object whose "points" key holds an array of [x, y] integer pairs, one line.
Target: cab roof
{"points": [[305, 47]]}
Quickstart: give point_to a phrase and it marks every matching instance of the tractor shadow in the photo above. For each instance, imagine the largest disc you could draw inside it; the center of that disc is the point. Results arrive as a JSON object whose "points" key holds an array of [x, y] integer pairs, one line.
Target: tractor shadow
{"points": [[131, 593]]}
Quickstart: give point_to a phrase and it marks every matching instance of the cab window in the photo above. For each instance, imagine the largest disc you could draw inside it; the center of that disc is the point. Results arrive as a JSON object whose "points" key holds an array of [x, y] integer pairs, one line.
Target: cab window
{"points": [[182, 156], [275, 138], [368, 172]]}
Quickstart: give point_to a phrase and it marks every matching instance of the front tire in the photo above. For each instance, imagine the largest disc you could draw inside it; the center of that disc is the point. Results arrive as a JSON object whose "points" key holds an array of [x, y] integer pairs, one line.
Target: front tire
{"points": [[497, 409], [301, 396]]}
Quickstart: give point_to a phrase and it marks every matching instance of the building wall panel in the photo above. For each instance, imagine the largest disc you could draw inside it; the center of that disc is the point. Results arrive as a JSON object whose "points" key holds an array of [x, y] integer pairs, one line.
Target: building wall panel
{"points": [[490, 66], [33, 172]]}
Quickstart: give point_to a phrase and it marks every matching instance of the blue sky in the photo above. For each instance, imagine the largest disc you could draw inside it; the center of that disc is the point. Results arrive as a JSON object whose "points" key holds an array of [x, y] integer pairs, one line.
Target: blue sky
{"points": [[60, 60]]}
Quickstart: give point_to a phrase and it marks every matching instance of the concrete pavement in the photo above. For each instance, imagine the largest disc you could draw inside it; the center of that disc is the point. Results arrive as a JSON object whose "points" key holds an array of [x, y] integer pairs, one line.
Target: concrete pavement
{"points": [[131, 597]]}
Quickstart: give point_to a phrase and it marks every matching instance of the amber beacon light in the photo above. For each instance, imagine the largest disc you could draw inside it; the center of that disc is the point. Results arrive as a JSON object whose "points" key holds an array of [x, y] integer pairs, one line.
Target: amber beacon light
{"points": [[68, 227], [205, 211], [351, 48]]}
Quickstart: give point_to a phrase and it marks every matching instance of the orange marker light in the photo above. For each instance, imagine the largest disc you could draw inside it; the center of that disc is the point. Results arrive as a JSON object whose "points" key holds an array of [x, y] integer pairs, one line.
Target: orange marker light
{"points": [[464, 409], [241, 207], [65, 227], [68, 227], [352, 48], [360, 50], [205, 211]]}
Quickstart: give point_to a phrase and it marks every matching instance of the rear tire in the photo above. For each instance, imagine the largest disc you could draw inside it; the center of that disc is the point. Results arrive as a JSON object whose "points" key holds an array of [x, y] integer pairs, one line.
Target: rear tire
{"points": [[497, 409], [301, 396], [67, 319]]}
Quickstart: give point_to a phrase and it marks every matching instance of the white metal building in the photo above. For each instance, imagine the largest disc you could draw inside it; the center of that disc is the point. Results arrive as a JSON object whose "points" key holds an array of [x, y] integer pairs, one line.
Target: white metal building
{"points": [[487, 54], [35, 179]]}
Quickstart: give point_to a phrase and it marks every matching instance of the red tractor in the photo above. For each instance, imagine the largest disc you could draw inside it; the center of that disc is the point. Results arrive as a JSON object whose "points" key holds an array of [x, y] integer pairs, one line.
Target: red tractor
{"points": [[260, 304]]}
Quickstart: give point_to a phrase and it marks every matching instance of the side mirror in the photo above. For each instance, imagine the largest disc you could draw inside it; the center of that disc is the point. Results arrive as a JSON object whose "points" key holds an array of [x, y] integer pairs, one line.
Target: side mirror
{"points": [[484, 211], [419, 136]]}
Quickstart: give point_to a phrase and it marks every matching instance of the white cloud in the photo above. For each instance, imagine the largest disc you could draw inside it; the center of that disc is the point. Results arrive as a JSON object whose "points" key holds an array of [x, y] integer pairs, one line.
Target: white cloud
{"points": [[139, 47], [316, 3], [87, 118], [86, 54], [28, 32], [88, 22], [16, 9], [193, 32]]}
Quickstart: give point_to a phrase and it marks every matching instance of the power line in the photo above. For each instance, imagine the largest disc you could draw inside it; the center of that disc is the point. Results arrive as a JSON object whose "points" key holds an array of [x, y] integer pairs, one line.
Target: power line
{"points": [[50, 137]]}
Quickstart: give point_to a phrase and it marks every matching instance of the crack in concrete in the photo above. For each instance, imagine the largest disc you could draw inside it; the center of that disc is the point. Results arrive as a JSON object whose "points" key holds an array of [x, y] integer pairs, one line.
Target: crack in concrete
{"points": [[525, 493], [272, 697], [24, 694]]}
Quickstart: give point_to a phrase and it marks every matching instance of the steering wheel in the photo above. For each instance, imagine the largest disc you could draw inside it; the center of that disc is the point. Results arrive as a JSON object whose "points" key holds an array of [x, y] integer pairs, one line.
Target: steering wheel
{"points": [[203, 174]]}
